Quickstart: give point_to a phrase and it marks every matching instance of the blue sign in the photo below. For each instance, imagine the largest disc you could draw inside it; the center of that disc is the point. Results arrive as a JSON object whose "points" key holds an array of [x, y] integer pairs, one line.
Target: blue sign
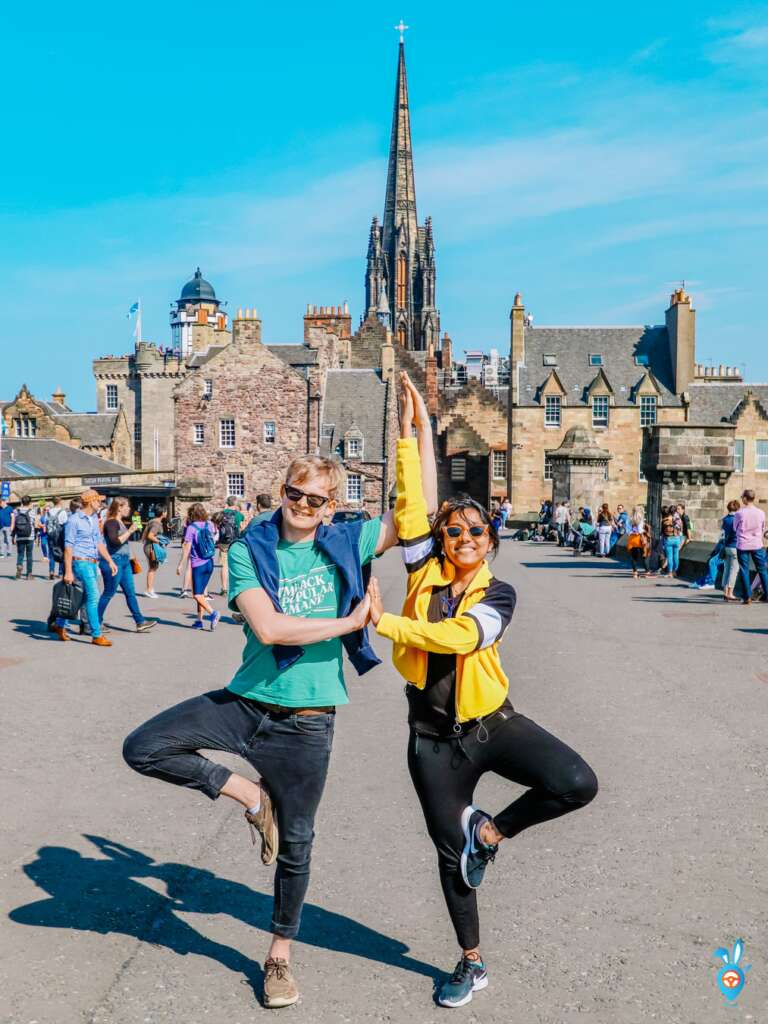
{"points": [[5, 489]]}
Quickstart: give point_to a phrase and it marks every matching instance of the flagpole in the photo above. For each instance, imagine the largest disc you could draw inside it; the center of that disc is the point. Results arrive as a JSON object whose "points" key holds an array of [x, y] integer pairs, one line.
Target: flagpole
{"points": [[138, 324]]}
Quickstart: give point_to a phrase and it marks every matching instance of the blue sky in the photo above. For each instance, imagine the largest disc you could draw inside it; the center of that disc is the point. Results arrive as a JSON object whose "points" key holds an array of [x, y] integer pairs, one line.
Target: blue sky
{"points": [[590, 158]]}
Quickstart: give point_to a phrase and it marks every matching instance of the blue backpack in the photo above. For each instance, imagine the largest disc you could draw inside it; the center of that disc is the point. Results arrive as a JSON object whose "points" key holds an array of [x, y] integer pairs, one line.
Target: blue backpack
{"points": [[203, 546]]}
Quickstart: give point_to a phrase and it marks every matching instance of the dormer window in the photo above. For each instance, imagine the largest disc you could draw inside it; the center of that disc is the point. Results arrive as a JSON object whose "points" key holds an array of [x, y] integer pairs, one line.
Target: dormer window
{"points": [[595, 359], [550, 360], [353, 444]]}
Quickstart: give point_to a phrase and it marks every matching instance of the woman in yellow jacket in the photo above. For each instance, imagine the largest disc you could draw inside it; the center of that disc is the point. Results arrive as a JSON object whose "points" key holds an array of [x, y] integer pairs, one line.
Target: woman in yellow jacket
{"points": [[446, 645]]}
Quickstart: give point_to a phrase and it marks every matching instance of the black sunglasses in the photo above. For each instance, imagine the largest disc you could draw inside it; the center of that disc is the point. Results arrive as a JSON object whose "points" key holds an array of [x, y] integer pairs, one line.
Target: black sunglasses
{"points": [[313, 500], [456, 531]]}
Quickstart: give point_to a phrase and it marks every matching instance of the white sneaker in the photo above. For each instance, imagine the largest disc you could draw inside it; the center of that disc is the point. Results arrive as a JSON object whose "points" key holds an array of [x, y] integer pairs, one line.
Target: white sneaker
{"points": [[151, 593], [706, 586]]}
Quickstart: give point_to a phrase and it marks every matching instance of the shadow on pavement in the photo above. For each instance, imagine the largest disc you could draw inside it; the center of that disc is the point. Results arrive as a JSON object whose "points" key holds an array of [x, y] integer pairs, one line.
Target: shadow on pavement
{"points": [[104, 896], [36, 628], [574, 562], [743, 629], [712, 602]]}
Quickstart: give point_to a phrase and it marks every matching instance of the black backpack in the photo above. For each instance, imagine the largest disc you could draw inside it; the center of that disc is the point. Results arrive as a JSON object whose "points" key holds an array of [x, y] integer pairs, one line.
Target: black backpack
{"points": [[22, 525], [227, 529], [55, 532]]}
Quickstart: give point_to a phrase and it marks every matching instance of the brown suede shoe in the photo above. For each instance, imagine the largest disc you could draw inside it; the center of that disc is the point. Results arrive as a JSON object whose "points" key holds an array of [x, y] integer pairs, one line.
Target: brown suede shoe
{"points": [[101, 641], [263, 822], [279, 984], [60, 632]]}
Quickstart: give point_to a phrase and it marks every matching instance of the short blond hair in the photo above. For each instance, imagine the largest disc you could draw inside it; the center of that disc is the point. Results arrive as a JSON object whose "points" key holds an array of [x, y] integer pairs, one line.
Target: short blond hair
{"points": [[316, 465]]}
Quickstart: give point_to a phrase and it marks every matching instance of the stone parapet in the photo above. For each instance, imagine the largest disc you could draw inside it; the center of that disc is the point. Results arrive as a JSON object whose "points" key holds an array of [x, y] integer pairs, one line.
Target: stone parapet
{"points": [[689, 464]]}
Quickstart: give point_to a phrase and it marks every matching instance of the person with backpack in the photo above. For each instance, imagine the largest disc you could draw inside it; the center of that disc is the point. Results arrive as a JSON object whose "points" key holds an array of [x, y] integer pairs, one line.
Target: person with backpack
{"points": [[55, 521], [229, 522], [198, 549], [23, 536], [6, 518]]}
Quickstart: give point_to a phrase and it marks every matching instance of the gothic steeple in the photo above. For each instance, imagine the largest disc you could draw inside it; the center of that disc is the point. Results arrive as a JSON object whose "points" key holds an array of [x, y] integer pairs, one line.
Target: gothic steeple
{"points": [[401, 256]]}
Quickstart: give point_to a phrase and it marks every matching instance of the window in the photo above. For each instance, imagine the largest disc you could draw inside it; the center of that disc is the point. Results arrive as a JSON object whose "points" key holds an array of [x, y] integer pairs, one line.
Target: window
{"points": [[499, 465], [327, 431], [111, 397], [402, 271], [647, 410], [640, 473], [270, 432], [547, 466], [137, 431], [199, 433], [25, 426], [227, 434], [761, 456], [207, 389], [236, 484], [600, 411], [595, 359], [354, 487], [458, 469], [550, 360], [738, 456], [354, 447], [552, 411]]}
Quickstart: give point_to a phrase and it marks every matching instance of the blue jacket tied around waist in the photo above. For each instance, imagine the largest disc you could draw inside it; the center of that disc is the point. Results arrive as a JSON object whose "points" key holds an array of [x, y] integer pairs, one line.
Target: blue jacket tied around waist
{"points": [[340, 543]]}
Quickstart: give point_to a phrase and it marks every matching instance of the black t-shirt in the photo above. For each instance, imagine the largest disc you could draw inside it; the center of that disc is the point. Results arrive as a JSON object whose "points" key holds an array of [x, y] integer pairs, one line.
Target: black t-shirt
{"points": [[432, 711]]}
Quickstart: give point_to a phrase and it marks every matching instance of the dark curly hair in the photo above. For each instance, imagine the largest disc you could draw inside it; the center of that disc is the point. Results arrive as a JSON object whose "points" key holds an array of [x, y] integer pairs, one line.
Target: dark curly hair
{"points": [[462, 503]]}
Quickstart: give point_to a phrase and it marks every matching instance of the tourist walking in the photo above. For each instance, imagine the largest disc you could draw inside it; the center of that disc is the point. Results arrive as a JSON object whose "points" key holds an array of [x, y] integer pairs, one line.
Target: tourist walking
{"points": [[264, 508], [198, 549], [23, 535], [462, 724], [637, 541], [149, 538], [672, 532], [118, 530], [56, 520], [229, 523], [562, 523], [6, 519], [83, 546], [605, 527], [749, 526], [730, 551], [285, 576]]}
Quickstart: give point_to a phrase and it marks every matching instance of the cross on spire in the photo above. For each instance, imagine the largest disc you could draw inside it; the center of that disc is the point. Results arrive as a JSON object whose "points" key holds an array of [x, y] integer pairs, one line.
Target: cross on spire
{"points": [[401, 28]]}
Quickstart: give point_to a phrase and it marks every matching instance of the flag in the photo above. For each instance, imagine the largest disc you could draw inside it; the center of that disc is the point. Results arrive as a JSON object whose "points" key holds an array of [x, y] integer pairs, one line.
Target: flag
{"points": [[134, 309]]}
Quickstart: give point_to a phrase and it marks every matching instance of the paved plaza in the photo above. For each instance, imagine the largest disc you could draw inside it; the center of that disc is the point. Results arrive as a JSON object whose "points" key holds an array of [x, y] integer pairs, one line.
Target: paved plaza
{"points": [[126, 901]]}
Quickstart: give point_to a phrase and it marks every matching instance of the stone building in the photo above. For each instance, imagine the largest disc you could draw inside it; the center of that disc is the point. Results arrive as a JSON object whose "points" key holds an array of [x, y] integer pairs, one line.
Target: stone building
{"points": [[102, 434], [142, 383]]}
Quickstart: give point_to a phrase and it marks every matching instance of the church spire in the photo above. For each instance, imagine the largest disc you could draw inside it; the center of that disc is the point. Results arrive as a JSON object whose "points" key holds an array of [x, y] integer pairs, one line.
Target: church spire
{"points": [[400, 197]]}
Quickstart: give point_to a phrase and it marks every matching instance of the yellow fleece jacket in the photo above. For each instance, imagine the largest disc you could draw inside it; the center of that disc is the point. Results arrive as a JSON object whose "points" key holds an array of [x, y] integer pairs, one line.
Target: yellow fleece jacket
{"points": [[483, 613]]}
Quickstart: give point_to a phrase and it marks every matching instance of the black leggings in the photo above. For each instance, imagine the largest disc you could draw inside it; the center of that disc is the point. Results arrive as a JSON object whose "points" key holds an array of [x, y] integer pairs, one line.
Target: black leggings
{"points": [[445, 773], [638, 556]]}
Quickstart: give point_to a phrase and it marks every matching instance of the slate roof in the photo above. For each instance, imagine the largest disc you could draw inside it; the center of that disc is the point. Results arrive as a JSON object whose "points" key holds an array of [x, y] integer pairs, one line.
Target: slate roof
{"points": [[92, 428], [26, 457], [572, 347], [354, 398], [716, 403], [201, 358], [295, 355]]}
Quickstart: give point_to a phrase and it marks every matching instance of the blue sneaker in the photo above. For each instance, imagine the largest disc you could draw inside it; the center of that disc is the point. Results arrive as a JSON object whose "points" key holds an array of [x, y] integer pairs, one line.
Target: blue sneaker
{"points": [[197, 624], [476, 855], [213, 618], [469, 977]]}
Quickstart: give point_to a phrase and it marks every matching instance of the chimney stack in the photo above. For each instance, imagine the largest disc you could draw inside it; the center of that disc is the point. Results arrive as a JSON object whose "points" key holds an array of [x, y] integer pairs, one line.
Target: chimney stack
{"points": [[681, 331]]}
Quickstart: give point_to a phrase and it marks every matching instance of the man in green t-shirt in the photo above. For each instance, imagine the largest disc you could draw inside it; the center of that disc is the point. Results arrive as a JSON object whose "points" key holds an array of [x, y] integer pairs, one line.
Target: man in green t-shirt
{"points": [[281, 722]]}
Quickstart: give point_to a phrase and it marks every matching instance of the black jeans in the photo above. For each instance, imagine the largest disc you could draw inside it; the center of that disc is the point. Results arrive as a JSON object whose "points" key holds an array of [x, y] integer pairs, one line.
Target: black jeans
{"points": [[290, 752], [446, 772], [25, 550]]}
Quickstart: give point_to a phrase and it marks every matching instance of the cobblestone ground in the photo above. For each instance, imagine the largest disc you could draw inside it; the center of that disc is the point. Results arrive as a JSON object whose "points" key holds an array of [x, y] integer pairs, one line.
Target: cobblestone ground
{"points": [[132, 902]]}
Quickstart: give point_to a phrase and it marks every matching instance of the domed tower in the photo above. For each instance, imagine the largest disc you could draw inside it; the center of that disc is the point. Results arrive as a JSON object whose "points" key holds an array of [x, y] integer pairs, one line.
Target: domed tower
{"points": [[197, 318]]}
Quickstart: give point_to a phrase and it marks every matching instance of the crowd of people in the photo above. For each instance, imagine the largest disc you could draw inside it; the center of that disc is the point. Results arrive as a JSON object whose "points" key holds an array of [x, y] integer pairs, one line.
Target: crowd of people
{"points": [[89, 540], [657, 553]]}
